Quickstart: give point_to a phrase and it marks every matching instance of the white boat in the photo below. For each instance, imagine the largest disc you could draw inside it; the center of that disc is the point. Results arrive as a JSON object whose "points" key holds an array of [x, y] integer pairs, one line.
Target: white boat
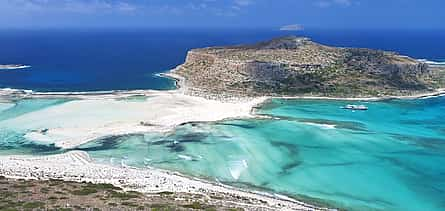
{"points": [[355, 107]]}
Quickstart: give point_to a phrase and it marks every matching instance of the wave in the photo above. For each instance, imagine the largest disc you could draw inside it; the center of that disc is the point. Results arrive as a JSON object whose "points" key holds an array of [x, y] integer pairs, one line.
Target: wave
{"points": [[324, 126], [431, 62], [237, 167], [433, 96], [124, 160], [160, 75], [185, 157], [7, 91], [163, 75], [15, 90], [13, 67]]}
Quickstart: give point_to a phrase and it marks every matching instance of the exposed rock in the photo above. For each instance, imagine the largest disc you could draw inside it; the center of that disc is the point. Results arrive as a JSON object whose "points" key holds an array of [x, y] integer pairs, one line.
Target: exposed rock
{"points": [[297, 66]]}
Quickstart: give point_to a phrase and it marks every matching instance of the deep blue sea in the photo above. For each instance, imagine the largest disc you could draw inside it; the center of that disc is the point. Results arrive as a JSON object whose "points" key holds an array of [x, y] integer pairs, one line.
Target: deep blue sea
{"points": [[84, 60], [387, 158]]}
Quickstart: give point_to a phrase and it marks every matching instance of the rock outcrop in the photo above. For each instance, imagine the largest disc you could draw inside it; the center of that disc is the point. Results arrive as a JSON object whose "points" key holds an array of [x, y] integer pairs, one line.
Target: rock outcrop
{"points": [[292, 66]]}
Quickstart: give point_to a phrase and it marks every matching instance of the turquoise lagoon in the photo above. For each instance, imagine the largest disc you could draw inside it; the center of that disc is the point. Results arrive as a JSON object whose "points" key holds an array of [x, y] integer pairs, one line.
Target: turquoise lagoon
{"points": [[390, 157]]}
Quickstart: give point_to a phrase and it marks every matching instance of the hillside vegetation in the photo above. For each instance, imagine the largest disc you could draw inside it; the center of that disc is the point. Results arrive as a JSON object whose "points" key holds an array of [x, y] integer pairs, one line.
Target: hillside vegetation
{"points": [[290, 66]]}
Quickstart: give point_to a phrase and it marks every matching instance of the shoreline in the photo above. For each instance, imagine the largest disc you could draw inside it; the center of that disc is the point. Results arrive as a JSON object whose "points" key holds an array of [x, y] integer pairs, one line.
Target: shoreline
{"points": [[180, 84], [438, 92], [435, 93], [77, 166], [163, 111]]}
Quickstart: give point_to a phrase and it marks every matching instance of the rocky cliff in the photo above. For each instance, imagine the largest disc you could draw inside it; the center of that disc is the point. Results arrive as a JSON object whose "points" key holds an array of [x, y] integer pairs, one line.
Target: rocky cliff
{"points": [[292, 66]]}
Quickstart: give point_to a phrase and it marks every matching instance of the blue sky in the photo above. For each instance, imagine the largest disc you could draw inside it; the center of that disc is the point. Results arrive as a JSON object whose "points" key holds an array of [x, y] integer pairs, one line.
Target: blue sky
{"points": [[338, 14]]}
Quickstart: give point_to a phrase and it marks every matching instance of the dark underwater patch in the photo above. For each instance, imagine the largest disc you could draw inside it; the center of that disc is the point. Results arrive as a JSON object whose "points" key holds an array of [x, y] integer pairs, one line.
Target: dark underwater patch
{"points": [[314, 147], [42, 148], [241, 125], [176, 147], [193, 124], [373, 200], [175, 142], [416, 152], [292, 149], [191, 137], [337, 164], [442, 130], [293, 152], [10, 140], [182, 138], [32, 147], [426, 142], [161, 142], [106, 143], [286, 169], [406, 166], [437, 121]]}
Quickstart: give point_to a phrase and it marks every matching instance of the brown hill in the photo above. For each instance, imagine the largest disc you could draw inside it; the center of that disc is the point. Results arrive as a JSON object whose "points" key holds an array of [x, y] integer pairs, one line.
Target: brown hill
{"points": [[292, 66]]}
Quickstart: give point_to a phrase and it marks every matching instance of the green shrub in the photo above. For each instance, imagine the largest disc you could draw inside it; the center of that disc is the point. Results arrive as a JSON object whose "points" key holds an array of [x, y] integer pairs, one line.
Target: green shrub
{"points": [[33, 205], [84, 191], [123, 195], [195, 205]]}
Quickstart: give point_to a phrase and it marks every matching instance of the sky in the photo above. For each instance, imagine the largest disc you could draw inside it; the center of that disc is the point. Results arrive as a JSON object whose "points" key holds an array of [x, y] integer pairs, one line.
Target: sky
{"points": [[284, 14]]}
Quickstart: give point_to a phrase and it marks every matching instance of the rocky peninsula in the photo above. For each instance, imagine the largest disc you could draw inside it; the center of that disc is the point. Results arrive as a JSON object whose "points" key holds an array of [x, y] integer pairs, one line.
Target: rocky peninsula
{"points": [[296, 66]]}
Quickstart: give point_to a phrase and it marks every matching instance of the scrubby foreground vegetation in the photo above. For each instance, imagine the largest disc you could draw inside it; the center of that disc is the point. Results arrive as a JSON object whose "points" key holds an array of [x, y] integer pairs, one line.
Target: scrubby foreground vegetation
{"points": [[62, 195]]}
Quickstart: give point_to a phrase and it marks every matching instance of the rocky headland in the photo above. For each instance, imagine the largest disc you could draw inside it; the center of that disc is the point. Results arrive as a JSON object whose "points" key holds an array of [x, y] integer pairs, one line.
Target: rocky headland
{"points": [[296, 66]]}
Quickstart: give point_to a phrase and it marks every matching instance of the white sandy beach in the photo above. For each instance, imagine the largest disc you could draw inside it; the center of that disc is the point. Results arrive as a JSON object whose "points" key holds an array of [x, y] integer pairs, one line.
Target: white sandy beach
{"points": [[78, 166], [76, 122]]}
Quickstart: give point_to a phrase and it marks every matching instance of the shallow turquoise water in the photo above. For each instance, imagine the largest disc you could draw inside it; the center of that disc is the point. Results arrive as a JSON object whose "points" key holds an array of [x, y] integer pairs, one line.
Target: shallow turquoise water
{"points": [[387, 158], [12, 140], [12, 110]]}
